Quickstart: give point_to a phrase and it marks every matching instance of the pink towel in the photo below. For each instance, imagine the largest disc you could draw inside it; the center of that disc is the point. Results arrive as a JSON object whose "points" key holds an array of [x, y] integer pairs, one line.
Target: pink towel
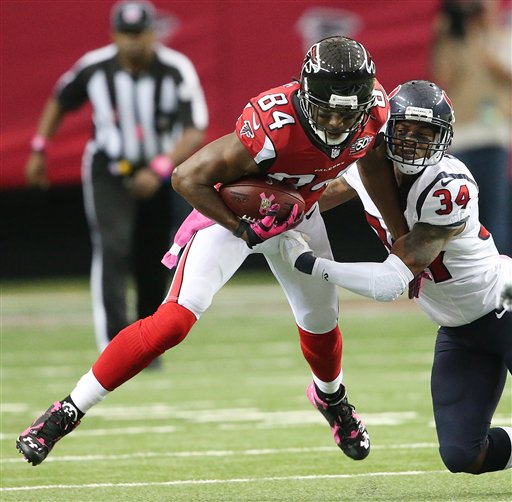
{"points": [[194, 221]]}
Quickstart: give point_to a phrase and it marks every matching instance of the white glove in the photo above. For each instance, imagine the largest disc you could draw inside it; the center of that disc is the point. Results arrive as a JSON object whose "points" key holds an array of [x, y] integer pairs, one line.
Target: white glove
{"points": [[506, 297], [292, 244]]}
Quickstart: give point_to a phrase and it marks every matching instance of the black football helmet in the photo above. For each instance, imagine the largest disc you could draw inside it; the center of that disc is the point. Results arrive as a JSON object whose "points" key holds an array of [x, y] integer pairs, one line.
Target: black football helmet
{"points": [[420, 101], [338, 74]]}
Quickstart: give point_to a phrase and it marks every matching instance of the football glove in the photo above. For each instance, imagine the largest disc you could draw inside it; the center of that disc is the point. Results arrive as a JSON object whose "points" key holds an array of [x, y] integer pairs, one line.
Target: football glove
{"points": [[267, 227], [293, 244], [506, 297]]}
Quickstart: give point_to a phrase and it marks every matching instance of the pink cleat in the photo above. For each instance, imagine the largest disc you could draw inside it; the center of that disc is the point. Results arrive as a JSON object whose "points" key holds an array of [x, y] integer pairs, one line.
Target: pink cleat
{"points": [[348, 430], [37, 441]]}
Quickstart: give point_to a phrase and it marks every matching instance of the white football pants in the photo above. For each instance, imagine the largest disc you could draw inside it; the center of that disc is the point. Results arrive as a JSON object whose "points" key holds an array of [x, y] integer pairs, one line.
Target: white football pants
{"points": [[213, 255]]}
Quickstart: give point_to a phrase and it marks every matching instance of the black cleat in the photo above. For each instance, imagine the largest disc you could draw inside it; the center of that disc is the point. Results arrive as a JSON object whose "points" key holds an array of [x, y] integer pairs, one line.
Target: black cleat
{"points": [[348, 430], [38, 440]]}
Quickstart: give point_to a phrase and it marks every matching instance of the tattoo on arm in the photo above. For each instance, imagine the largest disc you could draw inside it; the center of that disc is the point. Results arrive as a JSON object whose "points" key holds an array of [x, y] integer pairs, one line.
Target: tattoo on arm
{"points": [[422, 245]]}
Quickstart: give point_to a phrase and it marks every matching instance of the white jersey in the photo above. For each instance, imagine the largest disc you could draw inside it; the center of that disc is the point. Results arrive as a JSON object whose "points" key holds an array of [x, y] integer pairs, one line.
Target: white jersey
{"points": [[465, 277]]}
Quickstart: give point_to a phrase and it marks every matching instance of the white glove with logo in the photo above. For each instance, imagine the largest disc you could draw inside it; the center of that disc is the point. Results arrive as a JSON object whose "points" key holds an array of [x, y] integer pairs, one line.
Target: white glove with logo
{"points": [[292, 244]]}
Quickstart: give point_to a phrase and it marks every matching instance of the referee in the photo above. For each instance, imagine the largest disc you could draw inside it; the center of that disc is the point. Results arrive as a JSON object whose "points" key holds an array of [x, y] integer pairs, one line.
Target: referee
{"points": [[149, 114]]}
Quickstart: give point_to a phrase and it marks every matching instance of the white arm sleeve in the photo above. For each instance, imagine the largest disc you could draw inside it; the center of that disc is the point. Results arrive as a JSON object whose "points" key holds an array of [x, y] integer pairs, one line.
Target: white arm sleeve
{"points": [[381, 281]]}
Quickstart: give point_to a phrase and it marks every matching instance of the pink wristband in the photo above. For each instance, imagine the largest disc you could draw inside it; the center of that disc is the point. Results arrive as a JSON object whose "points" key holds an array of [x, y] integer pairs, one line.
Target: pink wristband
{"points": [[38, 143], [162, 166]]}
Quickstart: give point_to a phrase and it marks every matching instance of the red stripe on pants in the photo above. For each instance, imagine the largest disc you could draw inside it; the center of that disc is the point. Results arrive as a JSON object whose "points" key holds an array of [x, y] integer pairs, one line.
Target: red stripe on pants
{"points": [[174, 293]]}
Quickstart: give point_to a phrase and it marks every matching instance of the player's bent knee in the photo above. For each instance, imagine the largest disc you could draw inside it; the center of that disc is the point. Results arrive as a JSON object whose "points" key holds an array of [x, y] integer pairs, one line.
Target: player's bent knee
{"points": [[319, 321], [457, 459], [167, 327]]}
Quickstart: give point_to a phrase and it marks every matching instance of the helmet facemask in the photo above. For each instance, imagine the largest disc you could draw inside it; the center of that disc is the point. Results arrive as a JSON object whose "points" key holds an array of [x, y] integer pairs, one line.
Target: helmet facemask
{"points": [[336, 88], [353, 115], [411, 155]]}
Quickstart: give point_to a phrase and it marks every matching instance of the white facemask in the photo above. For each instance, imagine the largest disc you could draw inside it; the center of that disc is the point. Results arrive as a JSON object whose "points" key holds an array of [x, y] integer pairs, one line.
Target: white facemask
{"points": [[329, 141]]}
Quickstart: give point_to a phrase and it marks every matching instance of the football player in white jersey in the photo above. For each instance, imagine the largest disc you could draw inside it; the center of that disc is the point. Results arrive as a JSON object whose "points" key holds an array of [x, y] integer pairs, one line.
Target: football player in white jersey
{"points": [[467, 285]]}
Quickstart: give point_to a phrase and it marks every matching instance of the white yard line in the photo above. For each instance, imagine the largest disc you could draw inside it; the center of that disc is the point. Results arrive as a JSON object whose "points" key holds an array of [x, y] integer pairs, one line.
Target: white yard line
{"points": [[222, 481], [213, 453], [223, 418]]}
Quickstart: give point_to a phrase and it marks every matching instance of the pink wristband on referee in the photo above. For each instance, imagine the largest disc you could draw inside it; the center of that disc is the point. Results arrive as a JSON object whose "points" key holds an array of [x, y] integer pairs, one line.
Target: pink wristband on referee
{"points": [[38, 143], [162, 166]]}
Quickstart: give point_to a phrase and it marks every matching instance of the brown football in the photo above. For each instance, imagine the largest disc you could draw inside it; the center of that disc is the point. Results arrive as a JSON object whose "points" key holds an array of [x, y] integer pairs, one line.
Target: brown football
{"points": [[251, 198]]}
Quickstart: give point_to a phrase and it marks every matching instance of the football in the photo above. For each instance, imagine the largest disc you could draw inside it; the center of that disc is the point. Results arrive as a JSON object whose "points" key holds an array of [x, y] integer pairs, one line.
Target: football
{"points": [[251, 198]]}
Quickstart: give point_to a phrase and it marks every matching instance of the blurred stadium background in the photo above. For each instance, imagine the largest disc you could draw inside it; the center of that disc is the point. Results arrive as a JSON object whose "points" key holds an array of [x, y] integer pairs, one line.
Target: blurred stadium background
{"points": [[239, 48]]}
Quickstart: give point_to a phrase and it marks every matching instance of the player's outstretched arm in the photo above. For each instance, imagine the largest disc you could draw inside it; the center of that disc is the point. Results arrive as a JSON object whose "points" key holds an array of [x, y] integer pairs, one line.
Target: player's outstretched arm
{"points": [[386, 281], [420, 247]]}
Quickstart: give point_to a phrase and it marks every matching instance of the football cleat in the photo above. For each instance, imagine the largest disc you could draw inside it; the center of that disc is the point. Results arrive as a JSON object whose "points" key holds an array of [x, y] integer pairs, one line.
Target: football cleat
{"points": [[348, 430], [38, 440]]}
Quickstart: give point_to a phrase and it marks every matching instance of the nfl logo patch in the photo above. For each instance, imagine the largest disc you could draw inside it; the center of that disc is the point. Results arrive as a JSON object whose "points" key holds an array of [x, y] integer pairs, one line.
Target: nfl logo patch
{"points": [[335, 152]]}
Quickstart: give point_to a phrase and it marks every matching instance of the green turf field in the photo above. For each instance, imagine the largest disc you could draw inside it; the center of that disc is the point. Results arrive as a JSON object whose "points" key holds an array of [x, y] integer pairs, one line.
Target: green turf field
{"points": [[227, 419]]}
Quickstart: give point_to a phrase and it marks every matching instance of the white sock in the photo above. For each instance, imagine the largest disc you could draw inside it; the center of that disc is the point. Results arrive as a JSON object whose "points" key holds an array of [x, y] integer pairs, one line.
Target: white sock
{"points": [[329, 387], [88, 392], [508, 430]]}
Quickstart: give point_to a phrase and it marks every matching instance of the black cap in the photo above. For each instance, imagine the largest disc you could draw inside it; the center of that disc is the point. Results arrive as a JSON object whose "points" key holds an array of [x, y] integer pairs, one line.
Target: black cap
{"points": [[133, 17]]}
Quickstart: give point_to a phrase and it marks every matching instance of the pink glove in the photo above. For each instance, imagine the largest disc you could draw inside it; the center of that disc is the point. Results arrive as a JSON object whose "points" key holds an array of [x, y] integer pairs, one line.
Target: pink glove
{"points": [[264, 229]]}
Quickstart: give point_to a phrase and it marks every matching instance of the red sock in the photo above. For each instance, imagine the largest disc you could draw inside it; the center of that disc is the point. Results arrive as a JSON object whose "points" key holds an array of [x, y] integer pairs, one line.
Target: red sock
{"points": [[134, 347], [322, 352]]}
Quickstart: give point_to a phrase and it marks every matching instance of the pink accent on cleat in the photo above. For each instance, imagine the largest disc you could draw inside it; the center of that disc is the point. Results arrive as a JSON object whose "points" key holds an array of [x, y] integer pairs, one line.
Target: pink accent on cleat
{"points": [[38, 440], [347, 428]]}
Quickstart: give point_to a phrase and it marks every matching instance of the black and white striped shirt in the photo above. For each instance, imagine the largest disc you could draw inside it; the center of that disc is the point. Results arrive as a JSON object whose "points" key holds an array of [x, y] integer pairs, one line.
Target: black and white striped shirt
{"points": [[135, 117]]}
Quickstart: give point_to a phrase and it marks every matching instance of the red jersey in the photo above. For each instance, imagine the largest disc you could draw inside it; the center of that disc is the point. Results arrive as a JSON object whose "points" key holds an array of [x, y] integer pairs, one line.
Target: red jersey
{"points": [[276, 133]]}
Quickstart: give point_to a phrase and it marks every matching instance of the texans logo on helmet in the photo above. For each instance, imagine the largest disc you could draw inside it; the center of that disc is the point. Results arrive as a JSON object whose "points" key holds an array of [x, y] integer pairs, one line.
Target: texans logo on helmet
{"points": [[447, 99]]}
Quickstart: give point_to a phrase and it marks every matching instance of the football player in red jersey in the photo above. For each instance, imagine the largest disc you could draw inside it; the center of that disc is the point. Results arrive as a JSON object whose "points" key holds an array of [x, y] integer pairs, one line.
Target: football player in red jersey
{"points": [[305, 133]]}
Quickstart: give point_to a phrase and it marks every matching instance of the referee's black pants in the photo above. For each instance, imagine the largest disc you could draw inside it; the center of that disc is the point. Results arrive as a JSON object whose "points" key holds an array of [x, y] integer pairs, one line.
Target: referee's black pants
{"points": [[129, 237]]}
